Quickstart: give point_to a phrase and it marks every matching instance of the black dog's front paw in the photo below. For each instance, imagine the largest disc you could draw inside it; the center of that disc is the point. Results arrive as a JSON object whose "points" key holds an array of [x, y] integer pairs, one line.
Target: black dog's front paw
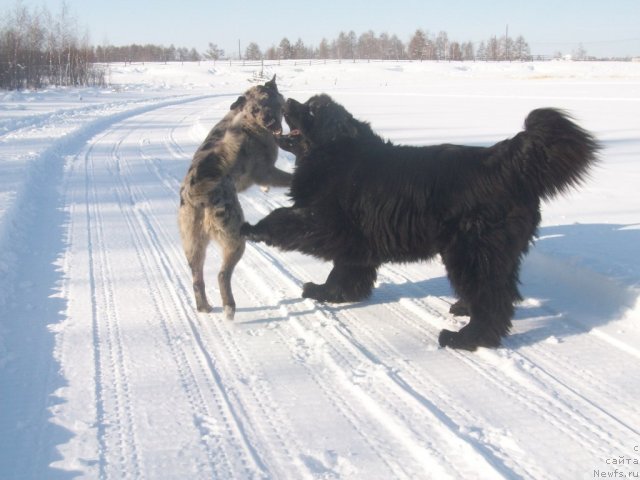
{"points": [[323, 293], [246, 229], [314, 291], [253, 233], [468, 338]]}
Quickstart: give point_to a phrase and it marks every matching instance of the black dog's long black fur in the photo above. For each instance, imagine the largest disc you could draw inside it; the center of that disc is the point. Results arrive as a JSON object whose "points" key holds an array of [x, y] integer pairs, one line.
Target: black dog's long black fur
{"points": [[360, 201]]}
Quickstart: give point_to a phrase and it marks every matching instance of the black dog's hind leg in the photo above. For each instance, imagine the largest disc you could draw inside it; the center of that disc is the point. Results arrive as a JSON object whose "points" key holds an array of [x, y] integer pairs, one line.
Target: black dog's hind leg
{"points": [[345, 283], [460, 308], [490, 320], [486, 280]]}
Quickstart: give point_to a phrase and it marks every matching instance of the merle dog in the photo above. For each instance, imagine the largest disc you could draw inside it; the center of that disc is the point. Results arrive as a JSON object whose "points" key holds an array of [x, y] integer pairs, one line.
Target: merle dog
{"points": [[239, 151]]}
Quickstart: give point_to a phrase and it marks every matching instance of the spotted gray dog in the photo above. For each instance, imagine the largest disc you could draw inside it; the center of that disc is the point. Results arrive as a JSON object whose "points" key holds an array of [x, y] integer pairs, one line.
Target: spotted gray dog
{"points": [[238, 152]]}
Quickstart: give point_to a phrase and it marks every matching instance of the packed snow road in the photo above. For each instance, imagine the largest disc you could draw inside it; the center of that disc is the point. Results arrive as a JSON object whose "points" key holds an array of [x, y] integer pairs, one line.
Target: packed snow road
{"points": [[108, 371]]}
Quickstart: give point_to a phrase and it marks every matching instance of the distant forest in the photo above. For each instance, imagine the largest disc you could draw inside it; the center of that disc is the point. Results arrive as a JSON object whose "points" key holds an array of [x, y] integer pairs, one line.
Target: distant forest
{"points": [[39, 49], [421, 46]]}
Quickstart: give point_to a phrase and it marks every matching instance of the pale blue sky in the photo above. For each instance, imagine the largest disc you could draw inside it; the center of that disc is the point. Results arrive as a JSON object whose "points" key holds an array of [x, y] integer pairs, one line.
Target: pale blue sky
{"points": [[604, 28]]}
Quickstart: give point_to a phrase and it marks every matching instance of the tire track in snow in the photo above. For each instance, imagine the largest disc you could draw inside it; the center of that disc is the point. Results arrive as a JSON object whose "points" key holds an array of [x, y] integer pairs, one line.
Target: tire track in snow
{"points": [[538, 366], [559, 410], [309, 350], [355, 365], [409, 305], [343, 361], [520, 379], [111, 360], [142, 227], [528, 392], [234, 350], [171, 260], [110, 357]]}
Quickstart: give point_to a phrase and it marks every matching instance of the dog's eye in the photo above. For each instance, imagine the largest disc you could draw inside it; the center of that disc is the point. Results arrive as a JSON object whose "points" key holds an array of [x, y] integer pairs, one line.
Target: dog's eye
{"points": [[311, 113]]}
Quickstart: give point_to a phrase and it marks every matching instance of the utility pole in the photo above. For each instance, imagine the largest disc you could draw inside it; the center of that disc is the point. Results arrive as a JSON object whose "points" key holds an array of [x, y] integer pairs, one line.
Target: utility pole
{"points": [[506, 43], [239, 54]]}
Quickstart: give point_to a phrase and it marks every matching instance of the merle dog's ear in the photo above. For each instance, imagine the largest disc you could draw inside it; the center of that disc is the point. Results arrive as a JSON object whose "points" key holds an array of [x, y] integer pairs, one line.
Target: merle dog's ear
{"points": [[239, 103], [271, 84]]}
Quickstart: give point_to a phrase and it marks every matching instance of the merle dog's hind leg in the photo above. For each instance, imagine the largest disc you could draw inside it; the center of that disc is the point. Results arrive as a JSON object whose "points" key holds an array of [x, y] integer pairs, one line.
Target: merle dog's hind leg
{"points": [[345, 283], [194, 242], [231, 254], [223, 219]]}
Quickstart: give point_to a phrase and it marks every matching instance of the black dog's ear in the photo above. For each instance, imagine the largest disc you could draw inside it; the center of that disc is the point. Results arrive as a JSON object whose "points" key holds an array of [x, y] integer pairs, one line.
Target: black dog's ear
{"points": [[271, 84], [239, 103], [347, 129]]}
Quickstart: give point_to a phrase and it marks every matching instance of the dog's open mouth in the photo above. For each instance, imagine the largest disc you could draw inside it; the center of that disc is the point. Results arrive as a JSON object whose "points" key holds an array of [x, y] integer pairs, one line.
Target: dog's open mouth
{"points": [[275, 129], [292, 133]]}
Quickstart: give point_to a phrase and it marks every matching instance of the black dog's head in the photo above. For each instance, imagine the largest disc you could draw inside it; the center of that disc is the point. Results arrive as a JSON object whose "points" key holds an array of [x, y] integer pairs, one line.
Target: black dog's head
{"points": [[318, 121], [262, 105]]}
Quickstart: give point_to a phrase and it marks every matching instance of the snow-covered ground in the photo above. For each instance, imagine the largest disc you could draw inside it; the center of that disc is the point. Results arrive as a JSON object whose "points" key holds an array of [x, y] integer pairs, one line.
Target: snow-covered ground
{"points": [[107, 371]]}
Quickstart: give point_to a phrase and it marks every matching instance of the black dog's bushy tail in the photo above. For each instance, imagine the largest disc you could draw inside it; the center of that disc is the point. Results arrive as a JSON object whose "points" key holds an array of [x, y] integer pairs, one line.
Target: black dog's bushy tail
{"points": [[553, 153]]}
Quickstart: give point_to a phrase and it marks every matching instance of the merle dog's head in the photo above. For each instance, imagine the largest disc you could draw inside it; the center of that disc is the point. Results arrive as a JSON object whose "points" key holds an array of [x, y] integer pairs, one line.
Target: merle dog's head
{"points": [[318, 121], [262, 105]]}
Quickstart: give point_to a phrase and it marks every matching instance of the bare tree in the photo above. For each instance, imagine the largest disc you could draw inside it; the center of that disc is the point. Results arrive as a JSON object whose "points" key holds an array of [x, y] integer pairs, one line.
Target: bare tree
{"points": [[299, 50], [37, 50], [324, 49], [418, 45], [521, 49], [579, 53], [455, 51], [253, 52], [492, 51], [271, 53], [442, 44], [285, 49], [468, 51], [506, 49], [345, 45], [397, 49], [368, 46], [213, 52]]}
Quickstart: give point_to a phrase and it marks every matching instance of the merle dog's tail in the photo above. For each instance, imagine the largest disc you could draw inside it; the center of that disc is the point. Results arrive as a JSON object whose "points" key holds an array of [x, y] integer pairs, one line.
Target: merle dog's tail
{"points": [[553, 153]]}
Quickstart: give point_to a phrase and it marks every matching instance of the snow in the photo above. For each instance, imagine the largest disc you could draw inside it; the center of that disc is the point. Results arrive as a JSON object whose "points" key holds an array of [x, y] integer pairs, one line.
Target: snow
{"points": [[108, 371]]}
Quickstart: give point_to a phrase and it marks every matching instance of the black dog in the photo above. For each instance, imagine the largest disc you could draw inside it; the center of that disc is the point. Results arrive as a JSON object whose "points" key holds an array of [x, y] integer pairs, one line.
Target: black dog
{"points": [[361, 202]]}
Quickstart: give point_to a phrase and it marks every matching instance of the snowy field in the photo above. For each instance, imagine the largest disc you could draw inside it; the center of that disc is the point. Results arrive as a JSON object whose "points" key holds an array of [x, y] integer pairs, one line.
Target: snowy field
{"points": [[107, 371]]}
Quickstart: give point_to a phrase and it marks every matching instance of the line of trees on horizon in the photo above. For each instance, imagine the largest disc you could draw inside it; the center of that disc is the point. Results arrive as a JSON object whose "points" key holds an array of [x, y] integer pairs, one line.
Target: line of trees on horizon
{"points": [[421, 46], [39, 49]]}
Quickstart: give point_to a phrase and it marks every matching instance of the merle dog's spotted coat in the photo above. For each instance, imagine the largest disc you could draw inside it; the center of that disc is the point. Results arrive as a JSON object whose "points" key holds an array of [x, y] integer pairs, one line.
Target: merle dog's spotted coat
{"points": [[240, 151]]}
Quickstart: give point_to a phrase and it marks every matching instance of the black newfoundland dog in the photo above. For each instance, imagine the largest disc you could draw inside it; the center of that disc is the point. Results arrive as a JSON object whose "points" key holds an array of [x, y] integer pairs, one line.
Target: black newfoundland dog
{"points": [[360, 202]]}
